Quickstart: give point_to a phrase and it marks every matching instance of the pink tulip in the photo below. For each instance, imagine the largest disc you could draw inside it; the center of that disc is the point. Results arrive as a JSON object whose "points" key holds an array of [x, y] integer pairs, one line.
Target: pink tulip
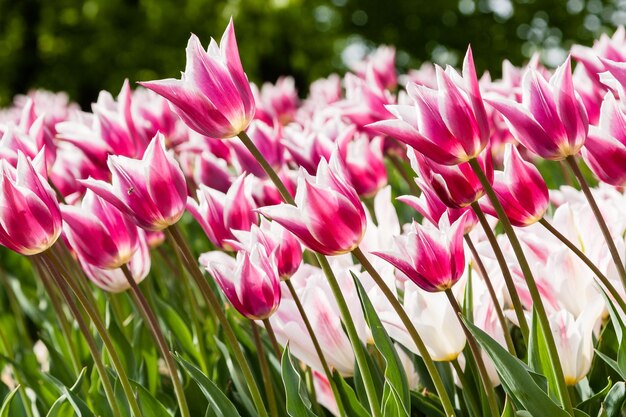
{"points": [[363, 163], [151, 190], [278, 242], [328, 216], [267, 140], [30, 218], [250, 282], [457, 186], [383, 65], [551, 121], [277, 101], [114, 280], [448, 125], [213, 97], [605, 148], [520, 189], [432, 258], [99, 233], [219, 214]]}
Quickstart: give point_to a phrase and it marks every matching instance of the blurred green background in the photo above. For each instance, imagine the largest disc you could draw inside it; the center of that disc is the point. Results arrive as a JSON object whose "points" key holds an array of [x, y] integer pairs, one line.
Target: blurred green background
{"points": [[83, 46]]}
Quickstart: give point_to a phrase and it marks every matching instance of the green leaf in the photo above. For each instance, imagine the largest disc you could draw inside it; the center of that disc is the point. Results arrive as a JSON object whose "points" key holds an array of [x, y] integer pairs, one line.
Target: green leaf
{"points": [[508, 410], [223, 407], [349, 398], [149, 405], [428, 404], [6, 404], [592, 404], [69, 394], [396, 396], [538, 355], [516, 378], [298, 403], [177, 326], [614, 401], [234, 373]]}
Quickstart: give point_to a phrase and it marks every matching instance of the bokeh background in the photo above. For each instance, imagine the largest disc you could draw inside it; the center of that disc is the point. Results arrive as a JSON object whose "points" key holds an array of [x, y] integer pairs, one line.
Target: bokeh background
{"points": [[83, 46]]}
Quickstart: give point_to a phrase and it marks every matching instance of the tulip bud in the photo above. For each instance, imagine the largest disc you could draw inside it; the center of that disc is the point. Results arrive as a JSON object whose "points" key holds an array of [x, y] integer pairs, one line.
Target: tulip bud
{"points": [[30, 218], [152, 191], [328, 216], [99, 233], [220, 213], [520, 189], [432, 258], [213, 97], [551, 121], [250, 282]]}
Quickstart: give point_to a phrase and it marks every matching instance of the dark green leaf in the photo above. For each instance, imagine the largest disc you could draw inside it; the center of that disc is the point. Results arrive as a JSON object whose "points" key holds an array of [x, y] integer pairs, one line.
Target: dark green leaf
{"points": [[298, 403]]}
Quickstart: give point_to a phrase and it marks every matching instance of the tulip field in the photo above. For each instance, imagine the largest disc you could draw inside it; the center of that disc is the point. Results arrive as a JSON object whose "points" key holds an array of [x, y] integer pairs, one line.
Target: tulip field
{"points": [[437, 243]]}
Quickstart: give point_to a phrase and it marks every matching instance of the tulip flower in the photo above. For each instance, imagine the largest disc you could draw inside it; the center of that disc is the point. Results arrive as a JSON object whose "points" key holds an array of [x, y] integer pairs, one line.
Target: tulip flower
{"points": [[220, 213], [250, 282], [328, 216], [99, 233], [363, 163], [382, 63], [520, 189], [213, 97], [281, 244], [605, 148], [30, 218], [551, 121], [277, 101], [457, 186], [151, 190], [114, 280], [448, 125], [432, 258], [267, 139]]}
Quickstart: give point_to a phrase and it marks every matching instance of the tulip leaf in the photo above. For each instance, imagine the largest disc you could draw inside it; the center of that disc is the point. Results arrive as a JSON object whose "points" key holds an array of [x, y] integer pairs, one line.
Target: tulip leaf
{"points": [[508, 410], [148, 404], [396, 396], [428, 404], [538, 354], [6, 404], [234, 373], [614, 401], [349, 398], [222, 406], [177, 326], [298, 403], [592, 404], [69, 395], [516, 378]]}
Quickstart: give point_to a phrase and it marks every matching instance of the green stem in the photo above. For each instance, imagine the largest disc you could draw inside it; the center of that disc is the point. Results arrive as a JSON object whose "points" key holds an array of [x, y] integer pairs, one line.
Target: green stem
{"points": [[506, 273], [265, 370], [469, 399], [214, 305], [102, 330], [478, 358], [603, 279], [492, 293], [273, 341], [61, 317], [157, 334], [359, 350], [91, 342], [561, 387], [419, 343], [266, 167], [619, 264], [399, 166]]}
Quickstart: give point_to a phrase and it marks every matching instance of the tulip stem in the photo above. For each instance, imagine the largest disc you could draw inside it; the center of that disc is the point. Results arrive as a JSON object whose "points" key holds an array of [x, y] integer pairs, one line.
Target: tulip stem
{"points": [[213, 303], [266, 167], [603, 279], [100, 327], [571, 161], [469, 399], [316, 345], [398, 164], [61, 317], [506, 273], [157, 334], [359, 350], [480, 363], [272, 336], [265, 369], [492, 293], [84, 328], [561, 387], [419, 343]]}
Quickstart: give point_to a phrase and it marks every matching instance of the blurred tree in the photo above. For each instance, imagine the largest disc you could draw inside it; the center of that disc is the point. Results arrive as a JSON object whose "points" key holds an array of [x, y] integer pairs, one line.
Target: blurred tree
{"points": [[83, 46]]}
